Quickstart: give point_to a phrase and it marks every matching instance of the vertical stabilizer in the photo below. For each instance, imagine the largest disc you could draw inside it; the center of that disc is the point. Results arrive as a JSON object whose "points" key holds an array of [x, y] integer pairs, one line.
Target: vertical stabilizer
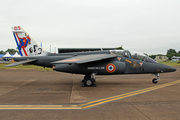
{"points": [[25, 43]]}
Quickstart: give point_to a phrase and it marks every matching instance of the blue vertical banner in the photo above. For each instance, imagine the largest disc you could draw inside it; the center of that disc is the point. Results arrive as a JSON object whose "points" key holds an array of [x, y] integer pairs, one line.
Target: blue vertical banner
{"points": [[19, 48]]}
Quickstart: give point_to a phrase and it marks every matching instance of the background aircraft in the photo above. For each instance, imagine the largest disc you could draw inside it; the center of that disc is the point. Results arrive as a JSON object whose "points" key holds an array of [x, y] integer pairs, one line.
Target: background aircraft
{"points": [[91, 63], [175, 58]]}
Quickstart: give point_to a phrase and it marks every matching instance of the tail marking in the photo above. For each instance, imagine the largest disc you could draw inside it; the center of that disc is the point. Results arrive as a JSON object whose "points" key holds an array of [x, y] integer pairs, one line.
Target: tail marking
{"points": [[26, 45]]}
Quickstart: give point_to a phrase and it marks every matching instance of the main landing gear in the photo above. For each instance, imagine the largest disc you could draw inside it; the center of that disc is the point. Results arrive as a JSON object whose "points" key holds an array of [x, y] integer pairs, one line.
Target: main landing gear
{"points": [[89, 80], [156, 80]]}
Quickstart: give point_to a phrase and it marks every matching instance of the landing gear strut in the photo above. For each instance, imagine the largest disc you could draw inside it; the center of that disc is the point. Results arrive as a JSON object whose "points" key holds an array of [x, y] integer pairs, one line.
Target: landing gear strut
{"points": [[156, 80], [89, 80]]}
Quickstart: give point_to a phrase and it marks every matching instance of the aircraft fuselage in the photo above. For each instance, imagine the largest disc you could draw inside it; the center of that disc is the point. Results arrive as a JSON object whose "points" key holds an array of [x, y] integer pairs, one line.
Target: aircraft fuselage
{"points": [[116, 65]]}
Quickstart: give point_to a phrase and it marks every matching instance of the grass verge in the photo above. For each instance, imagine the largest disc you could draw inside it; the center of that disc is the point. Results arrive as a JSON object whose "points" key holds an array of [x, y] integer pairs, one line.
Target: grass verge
{"points": [[38, 68]]}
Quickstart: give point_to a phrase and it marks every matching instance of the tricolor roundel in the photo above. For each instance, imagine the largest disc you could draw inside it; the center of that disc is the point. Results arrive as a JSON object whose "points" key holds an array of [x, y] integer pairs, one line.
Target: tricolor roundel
{"points": [[110, 68]]}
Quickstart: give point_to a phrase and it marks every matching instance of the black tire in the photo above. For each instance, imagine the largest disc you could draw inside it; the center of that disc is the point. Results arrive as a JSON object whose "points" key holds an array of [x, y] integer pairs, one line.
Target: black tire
{"points": [[85, 78], [154, 81], [89, 82]]}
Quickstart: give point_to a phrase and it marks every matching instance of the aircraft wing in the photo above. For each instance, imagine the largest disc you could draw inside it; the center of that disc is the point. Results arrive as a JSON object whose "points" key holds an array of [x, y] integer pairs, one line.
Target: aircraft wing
{"points": [[21, 62], [85, 58]]}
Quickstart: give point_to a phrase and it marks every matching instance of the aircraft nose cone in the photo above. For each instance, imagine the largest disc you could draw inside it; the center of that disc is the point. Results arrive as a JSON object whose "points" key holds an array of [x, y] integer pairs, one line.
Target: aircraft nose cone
{"points": [[169, 69]]}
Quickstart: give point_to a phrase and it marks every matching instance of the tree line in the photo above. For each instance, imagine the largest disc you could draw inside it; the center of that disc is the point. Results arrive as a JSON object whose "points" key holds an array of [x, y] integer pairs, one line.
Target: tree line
{"points": [[170, 53], [11, 51]]}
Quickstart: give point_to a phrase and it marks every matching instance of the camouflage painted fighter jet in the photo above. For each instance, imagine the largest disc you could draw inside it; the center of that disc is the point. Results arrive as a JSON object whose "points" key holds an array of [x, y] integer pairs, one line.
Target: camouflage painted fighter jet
{"points": [[90, 63]]}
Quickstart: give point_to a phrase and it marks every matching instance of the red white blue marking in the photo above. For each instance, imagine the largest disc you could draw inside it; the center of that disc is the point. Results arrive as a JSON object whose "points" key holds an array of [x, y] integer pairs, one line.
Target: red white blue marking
{"points": [[110, 68], [18, 44]]}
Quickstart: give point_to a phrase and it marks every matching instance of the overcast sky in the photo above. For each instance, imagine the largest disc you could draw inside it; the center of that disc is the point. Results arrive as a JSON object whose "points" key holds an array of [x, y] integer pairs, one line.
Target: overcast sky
{"points": [[147, 26]]}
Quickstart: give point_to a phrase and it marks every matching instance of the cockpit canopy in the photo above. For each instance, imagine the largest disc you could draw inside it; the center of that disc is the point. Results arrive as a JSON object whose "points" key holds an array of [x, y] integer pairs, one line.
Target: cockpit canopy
{"points": [[133, 55]]}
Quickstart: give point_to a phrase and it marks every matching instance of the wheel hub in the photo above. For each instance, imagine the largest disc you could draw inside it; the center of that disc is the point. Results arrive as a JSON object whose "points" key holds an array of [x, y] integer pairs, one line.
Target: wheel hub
{"points": [[88, 82]]}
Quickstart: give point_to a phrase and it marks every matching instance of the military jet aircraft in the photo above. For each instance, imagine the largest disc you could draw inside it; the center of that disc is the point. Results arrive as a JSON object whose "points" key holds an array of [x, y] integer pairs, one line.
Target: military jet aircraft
{"points": [[91, 63]]}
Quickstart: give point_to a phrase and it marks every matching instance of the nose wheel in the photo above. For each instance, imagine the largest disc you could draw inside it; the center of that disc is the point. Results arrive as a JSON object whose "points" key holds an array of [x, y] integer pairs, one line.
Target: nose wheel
{"points": [[155, 81]]}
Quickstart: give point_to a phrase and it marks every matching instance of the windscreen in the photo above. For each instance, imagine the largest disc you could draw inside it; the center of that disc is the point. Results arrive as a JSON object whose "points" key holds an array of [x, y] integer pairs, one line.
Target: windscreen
{"points": [[133, 55]]}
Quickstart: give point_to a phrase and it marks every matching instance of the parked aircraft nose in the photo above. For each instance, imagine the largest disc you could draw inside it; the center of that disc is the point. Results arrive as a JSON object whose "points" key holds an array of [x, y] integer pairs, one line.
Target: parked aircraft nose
{"points": [[170, 69], [167, 68]]}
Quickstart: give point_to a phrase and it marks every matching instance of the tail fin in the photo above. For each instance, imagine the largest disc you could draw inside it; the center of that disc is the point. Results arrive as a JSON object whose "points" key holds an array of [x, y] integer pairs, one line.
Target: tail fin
{"points": [[26, 45]]}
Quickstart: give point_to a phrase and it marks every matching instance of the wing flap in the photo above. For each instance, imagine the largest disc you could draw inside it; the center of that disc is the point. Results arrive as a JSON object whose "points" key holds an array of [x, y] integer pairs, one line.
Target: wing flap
{"points": [[21, 62], [85, 59]]}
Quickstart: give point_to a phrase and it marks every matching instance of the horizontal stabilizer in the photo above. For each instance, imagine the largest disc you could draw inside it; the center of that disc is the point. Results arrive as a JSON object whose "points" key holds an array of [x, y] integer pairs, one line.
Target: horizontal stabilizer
{"points": [[21, 62], [85, 59]]}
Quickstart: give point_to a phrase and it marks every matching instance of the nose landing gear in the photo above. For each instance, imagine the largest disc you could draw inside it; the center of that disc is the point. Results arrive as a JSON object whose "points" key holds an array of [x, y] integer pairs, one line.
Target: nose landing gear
{"points": [[156, 80]]}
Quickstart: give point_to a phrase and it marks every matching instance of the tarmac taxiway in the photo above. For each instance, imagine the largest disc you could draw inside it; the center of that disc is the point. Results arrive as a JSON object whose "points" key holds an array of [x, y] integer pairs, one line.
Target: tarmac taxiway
{"points": [[31, 94]]}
